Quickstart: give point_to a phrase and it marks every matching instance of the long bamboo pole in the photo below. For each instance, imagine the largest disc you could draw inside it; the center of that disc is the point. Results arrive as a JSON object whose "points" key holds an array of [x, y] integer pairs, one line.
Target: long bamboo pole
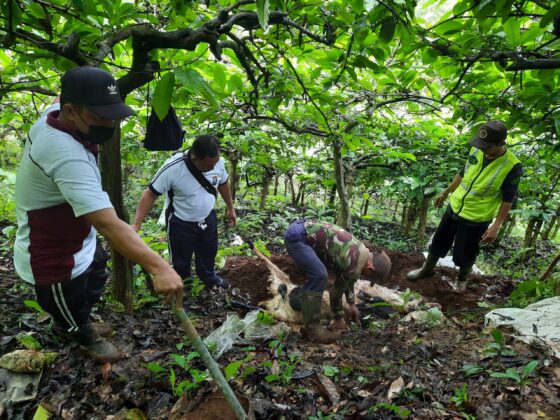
{"points": [[209, 362]]}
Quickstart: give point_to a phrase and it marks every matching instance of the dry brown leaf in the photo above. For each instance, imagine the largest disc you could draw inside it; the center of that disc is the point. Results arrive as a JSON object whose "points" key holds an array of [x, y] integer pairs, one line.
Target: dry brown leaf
{"points": [[327, 388], [395, 388]]}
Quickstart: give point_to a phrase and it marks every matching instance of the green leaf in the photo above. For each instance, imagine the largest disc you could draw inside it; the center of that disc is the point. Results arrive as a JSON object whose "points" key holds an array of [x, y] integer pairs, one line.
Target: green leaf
{"points": [[263, 12], [5, 59], [30, 342], [362, 61], [387, 30], [429, 56], [235, 83], [498, 336], [36, 10], [42, 413], [78, 4], [513, 32], [232, 369], [33, 305], [358, 6], [330, 370], [195, 83], [219, 76], [550, 15], [162, 95], [530, 367]]}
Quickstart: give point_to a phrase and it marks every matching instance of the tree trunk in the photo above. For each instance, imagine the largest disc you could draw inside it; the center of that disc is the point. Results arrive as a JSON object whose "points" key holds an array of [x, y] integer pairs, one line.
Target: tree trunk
{"points": [[545, 233], [555, 231], [365, 206], [550, 225], [423, 218], [110, 166], [396, 211], [506, 228], [233, 157], [344, 218], [529, 232], [411, 216], [292, 188], [267, 178], [332, 195], [549, 269], [536, 232], [276, 181], [302, 194], [234, 176], [403, 214]]}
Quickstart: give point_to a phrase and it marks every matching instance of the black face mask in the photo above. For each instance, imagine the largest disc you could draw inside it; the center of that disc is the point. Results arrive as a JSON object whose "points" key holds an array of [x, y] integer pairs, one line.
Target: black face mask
{"points": [[98, 134]]}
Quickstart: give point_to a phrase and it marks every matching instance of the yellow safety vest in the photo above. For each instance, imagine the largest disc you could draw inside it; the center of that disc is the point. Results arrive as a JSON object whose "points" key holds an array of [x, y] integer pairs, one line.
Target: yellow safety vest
{"points": [[478, 197]]}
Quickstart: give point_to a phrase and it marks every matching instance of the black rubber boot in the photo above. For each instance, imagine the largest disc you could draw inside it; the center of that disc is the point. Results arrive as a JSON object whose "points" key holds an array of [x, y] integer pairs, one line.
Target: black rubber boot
{"points": [[425, 271], [219, 282], [460, 284], [311, 311]]}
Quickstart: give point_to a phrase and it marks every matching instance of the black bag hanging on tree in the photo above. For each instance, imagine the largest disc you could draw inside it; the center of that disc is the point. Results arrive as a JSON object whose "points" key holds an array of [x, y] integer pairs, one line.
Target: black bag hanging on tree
{"points": [[166, 134]]}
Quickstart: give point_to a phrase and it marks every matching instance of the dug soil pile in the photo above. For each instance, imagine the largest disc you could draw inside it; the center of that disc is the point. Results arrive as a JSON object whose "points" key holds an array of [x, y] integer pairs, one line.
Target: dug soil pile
{"points": [[250, 275]]}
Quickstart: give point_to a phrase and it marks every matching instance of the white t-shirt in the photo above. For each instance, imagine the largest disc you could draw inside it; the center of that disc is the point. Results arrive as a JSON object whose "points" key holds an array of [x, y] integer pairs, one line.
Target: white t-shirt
{"points": [[58, 181], [191, 202]]}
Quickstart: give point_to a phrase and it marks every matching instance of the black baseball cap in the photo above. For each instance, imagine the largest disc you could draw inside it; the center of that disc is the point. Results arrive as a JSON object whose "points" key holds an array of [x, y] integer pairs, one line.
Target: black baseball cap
{"points": [[489, 134], [95, 89]]}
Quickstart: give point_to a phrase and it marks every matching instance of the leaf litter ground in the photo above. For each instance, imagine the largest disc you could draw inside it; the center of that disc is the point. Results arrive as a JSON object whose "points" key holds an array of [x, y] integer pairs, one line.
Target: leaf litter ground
{"points": [[293, 378]]}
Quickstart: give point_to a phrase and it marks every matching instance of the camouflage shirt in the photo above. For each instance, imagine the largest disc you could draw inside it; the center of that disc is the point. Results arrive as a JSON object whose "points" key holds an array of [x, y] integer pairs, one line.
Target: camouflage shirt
{"points": [[339, 251]]}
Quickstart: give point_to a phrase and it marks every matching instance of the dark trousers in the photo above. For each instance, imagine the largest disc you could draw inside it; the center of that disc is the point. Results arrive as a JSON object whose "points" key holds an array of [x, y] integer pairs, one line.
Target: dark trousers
{"points": [[465, 234], [186, 238], [70, 302], [305, 257]]}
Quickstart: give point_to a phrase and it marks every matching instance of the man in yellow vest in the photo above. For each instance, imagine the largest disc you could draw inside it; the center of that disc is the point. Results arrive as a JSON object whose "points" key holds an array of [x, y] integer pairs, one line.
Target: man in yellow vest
{"points": [[487, 184]]}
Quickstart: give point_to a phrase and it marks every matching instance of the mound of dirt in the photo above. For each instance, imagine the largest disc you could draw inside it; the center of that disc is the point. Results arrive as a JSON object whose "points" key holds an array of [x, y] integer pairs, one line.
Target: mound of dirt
{"points": [[250, 275]]}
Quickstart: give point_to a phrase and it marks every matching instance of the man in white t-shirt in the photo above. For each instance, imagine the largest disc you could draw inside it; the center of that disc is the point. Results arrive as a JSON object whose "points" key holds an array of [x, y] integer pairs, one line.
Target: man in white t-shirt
{"points": [[192, 181], [60, 206]]}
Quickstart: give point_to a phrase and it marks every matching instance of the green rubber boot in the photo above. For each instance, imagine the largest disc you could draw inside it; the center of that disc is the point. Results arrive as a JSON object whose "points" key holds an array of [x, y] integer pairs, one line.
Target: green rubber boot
{"points": [[425, 271], [460, 284], [311, 311]]}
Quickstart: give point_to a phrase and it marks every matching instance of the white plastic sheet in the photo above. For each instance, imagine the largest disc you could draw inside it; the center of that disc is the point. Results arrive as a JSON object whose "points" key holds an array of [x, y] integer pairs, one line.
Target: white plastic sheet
{"points": [[241, 331], [539, 322]]}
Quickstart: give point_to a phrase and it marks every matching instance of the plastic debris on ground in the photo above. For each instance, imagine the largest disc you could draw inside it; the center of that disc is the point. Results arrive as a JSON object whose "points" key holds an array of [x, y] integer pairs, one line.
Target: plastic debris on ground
{"points": [[17, 387], [241, 331], [430, 318], [538, 322]]}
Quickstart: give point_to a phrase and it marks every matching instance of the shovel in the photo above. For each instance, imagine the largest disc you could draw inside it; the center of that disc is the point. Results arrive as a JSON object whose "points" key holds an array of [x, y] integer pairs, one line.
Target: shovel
{"points": [[209, 362]]}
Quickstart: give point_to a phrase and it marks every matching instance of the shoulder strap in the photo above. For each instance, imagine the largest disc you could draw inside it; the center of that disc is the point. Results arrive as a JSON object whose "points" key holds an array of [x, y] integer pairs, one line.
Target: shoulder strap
{"points": [[199, 176]]}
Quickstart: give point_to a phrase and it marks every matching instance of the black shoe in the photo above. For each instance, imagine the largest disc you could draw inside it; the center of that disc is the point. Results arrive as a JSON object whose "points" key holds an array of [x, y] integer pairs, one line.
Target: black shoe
{"points": [[91, 343], [218, 281]]}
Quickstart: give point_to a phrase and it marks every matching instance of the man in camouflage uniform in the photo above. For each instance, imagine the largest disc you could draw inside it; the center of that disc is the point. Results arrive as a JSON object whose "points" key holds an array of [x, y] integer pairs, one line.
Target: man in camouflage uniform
{"points": [[325, 251]]}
